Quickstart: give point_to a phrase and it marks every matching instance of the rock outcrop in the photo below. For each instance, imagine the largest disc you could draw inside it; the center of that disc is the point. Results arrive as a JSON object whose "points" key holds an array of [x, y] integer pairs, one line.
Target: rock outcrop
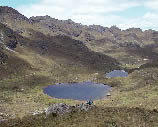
{"points": [[60, 108], [84, 107]]}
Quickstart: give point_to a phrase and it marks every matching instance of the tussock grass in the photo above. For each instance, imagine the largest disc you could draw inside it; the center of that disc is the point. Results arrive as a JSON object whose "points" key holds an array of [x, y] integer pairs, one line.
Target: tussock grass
{"points": [[100, 116], [42, 60]]}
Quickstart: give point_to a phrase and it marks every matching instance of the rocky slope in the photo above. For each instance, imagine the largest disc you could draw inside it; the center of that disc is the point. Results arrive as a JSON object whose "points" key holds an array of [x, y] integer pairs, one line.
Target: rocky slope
{"points": [[20, 35], [9, 41], [97, 38], [133, 37]]}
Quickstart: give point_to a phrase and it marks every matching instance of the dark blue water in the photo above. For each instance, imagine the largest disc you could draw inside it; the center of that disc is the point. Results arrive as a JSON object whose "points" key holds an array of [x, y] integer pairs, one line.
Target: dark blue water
{"points": [[77, 91], [117, 73]]}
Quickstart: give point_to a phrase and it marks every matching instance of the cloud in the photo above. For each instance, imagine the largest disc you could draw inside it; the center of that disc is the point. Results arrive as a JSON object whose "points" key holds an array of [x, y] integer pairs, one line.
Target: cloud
{"points": [[107, 21], [99, 12], [147, 21], [152, 4], [68, 8]]}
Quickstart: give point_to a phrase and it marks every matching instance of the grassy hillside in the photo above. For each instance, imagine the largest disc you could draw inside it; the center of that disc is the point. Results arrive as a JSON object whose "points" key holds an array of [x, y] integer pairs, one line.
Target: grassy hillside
{"points": [[40, 51], [30, 63], [92, 35], [130, 47]]}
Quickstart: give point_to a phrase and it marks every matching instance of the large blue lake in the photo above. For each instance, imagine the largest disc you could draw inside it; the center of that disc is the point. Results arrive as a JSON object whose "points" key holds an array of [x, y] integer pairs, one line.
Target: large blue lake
{"points": [[117, 73], [78, 91]]}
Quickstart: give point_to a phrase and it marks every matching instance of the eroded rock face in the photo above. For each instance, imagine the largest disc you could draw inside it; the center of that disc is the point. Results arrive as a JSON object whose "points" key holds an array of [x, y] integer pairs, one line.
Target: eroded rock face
{"points": [[1, 37], [3, 57], [60, 108], [84, 106], [8, 37]]}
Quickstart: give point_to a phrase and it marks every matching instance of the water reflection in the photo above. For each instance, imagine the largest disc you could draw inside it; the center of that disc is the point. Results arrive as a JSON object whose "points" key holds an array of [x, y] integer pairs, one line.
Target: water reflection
{"points": [[78, 91], [117, 73]]}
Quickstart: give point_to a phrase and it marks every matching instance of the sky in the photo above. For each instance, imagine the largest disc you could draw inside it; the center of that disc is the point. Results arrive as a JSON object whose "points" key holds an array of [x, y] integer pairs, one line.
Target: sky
{"points": [[121, 13]]}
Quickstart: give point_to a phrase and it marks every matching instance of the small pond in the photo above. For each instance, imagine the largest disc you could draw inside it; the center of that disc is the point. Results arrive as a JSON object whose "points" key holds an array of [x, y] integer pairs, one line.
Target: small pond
{"points": [[117, 73], [78, 91]]}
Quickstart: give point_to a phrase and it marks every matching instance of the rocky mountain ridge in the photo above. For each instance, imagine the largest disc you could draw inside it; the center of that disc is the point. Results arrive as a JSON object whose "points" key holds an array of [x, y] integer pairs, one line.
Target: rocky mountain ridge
{"points": [[60, 48], [93, 34], [49, 36]]}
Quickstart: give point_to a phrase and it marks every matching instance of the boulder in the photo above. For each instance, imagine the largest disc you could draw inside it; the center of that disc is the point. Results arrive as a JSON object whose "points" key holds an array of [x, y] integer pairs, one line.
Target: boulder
{"points": [[84, 106], [60, 108], [108, 94]]}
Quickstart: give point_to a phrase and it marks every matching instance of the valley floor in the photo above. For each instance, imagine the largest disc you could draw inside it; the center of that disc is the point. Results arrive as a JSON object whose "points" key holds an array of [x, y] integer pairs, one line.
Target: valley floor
{"points": [[133, 101]]}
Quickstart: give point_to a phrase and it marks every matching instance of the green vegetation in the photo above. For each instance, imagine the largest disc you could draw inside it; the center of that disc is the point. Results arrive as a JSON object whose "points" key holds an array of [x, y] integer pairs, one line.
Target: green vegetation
{"points": [[109, 117], [39, 56]]}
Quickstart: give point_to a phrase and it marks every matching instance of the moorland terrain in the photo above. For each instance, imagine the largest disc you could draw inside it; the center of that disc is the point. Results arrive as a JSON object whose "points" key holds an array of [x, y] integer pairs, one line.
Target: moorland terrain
{"points": [[38, 51]]}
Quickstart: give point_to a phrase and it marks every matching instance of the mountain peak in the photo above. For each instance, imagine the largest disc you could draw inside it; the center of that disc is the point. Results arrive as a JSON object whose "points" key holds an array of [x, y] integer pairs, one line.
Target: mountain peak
{"points": [[11, 13], [6, 9]]}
